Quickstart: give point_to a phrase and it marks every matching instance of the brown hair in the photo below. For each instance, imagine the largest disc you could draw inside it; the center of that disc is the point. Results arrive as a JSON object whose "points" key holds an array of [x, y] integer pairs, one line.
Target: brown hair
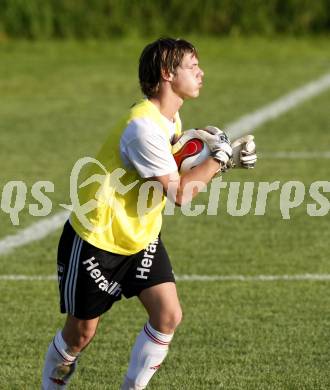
{"points": [[163, 54]]}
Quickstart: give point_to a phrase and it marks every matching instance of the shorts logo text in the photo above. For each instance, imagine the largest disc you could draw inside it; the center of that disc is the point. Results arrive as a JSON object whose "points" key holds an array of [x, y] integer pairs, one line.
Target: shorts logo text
{"points": [[146, 263], [112, 288]]}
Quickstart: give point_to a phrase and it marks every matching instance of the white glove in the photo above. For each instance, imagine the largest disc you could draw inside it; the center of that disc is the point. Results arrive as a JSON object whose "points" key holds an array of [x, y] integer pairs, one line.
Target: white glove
{"points": [[218, 144], [213, 130], [244, 152]]}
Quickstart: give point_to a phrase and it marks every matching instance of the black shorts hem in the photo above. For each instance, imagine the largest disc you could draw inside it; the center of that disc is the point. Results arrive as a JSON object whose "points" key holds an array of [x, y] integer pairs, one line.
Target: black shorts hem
{"points": [[152, 283], [88, 316]]}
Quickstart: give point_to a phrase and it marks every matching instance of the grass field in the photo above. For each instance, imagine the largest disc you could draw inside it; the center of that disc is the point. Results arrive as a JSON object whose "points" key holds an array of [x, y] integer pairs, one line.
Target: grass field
{"points": [[58, 101]]}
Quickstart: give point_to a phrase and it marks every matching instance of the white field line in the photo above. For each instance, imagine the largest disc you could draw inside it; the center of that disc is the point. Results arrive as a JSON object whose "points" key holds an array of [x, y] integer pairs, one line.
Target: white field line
{"points": [[198, 278], [28, 278], [313, 155], [251, 278], [35, 232], [243, 125], [247, 123]]}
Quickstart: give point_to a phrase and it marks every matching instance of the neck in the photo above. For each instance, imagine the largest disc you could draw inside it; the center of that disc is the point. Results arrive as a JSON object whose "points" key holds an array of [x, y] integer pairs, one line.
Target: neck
{"points": [[167, 106]]}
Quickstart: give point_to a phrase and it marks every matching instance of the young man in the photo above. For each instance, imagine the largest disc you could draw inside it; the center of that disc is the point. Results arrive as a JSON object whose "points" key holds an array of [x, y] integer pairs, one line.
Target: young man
{"points": [[113, 250]]}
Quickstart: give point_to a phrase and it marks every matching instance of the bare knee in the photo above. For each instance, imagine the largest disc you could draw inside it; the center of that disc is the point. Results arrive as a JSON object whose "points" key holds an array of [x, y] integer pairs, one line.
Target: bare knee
{"points": [[176, 318], [167, 321]]}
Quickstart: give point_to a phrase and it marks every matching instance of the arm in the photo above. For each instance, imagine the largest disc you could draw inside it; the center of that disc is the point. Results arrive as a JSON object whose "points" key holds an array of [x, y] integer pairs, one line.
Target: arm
{"points": [[147, 150], [182, 189], [174, 185]]}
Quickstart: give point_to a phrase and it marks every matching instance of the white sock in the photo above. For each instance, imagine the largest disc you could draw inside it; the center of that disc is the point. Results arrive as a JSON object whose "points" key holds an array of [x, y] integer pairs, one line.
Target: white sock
{"points": [[149, 351], [59, 364]]}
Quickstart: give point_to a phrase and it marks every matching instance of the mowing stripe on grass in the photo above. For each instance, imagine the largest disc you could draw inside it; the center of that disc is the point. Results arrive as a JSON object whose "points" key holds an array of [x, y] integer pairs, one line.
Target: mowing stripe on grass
{"points": [[198, 278], [243, 125]]}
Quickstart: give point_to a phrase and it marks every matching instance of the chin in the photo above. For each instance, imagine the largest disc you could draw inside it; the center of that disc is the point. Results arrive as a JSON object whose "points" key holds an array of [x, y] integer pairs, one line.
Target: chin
{"points": [[191, 95]]}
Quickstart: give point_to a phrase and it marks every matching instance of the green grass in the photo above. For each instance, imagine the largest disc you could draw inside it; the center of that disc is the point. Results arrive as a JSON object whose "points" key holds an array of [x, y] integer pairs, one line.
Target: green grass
{"points": [[58, 101]]}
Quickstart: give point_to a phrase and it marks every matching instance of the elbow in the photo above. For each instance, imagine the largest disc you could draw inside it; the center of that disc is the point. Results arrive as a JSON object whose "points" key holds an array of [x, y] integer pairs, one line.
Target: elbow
{"points": [[182, 199], [178, 203], [181, 194]]}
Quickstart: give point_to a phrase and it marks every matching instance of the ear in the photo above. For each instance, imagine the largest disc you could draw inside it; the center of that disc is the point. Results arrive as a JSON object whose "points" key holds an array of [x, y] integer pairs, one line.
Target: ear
{"points": [[167, 76]]}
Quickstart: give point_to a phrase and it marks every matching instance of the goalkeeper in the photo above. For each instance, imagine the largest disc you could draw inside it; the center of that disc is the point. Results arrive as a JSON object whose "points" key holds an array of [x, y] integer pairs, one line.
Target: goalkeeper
{"points": [[111, 251]]}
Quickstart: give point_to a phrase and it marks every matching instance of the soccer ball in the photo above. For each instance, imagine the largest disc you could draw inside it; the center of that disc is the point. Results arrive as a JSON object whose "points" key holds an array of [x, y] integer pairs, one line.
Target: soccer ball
{"points": [[189, 151]]}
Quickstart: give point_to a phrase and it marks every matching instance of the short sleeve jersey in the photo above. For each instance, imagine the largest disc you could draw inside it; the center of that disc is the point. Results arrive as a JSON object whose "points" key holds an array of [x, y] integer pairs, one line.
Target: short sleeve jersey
{"points": [[144, 146]]}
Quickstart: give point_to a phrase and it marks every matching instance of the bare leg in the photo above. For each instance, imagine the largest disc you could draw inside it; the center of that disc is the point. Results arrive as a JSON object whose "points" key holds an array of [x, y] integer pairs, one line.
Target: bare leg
{"points": [[163, 307], [79, 333]]}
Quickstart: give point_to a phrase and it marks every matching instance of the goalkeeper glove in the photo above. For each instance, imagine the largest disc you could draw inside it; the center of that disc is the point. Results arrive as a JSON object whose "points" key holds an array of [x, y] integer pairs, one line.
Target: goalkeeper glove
{"points": [[218, 144], [244, 152]]}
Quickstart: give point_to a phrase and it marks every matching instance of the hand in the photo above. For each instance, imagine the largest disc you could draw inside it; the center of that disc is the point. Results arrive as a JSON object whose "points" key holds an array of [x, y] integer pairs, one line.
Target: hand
{"points": [[213, 130], [244, 152], [218, 144]]}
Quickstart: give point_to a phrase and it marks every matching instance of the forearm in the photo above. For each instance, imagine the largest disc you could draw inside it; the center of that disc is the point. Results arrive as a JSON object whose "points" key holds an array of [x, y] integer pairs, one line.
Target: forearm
{"points": [[192, 181]]}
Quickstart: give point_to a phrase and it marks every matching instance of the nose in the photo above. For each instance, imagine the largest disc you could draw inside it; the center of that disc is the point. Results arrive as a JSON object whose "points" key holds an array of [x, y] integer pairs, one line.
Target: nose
{"points": [[201, 73]]}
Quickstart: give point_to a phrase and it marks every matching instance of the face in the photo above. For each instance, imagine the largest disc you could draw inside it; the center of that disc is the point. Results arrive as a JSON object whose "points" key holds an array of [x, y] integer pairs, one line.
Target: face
{"points": [[187, 81]]}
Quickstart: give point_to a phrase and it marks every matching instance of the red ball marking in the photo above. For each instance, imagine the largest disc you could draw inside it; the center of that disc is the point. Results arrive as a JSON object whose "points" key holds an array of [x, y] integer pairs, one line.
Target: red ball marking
{"points": [[191, 148]]}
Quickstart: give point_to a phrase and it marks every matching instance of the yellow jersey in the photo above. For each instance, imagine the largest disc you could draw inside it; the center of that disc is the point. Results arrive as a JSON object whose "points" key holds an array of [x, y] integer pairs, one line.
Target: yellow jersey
{"points": [[118, 211]]}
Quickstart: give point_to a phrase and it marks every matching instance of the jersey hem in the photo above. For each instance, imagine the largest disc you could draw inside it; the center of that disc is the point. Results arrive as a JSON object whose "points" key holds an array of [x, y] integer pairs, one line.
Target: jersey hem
{"points": [[110, 248]]}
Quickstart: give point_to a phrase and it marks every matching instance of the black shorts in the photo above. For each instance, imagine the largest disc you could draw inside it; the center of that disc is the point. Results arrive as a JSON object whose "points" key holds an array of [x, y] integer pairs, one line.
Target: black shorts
{"points": [[92, 279]]}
